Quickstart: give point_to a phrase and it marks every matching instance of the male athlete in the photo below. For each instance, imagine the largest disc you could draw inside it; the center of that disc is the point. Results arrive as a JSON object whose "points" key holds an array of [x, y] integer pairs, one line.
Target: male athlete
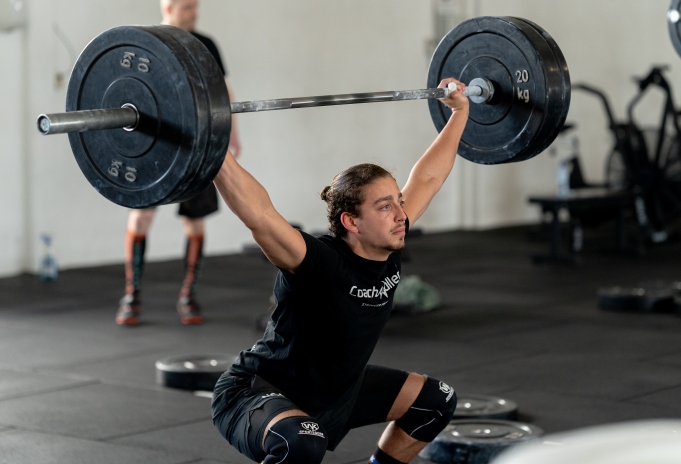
{"points": [[306, 383]]}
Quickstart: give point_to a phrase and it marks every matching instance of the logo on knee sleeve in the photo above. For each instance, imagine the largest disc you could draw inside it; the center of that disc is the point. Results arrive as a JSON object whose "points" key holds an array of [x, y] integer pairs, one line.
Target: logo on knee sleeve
{"points": [[447, 390], [311, 428], [273, 395]]}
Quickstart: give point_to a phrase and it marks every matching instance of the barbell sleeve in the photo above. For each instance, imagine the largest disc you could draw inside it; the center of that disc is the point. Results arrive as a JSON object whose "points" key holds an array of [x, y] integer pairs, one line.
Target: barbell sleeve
{"points": [[87, 120], [127, 117]]}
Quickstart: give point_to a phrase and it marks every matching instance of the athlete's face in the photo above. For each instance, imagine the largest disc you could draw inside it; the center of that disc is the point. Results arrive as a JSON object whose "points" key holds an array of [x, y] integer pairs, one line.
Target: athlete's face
{"points": [[381, 221], [182, 14]]}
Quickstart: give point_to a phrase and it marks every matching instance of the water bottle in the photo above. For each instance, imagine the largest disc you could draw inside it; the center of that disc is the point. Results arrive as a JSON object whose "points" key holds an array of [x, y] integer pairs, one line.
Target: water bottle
{"points": [[49, 271], [563, 178]]}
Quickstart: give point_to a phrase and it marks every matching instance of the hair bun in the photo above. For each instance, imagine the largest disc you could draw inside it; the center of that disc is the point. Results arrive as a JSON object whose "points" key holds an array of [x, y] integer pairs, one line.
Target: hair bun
{"points": [[325, 193]]}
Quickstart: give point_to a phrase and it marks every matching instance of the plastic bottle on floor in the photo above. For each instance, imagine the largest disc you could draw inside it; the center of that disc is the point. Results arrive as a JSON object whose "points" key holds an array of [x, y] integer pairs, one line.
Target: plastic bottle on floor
{"points": [[49, 270], [563, 178]]}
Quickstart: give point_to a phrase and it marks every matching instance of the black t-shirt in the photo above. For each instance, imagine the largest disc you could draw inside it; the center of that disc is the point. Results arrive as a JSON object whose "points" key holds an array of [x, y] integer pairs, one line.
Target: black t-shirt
{"points": [[326, 323], [213, 49]]}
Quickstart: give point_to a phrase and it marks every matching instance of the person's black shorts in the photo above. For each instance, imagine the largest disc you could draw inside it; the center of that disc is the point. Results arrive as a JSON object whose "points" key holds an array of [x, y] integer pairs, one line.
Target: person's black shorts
{"points": [[243, 406], [201, 205]]}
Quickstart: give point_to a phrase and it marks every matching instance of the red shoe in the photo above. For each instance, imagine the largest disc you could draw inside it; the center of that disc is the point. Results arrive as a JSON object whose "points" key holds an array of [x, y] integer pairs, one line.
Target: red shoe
{"points": [[189, 311], [128, 311]]}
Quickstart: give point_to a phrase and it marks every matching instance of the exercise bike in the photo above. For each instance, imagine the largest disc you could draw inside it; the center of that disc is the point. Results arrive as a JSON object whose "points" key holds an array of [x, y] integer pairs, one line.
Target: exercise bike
{"points": [[647, 163]]}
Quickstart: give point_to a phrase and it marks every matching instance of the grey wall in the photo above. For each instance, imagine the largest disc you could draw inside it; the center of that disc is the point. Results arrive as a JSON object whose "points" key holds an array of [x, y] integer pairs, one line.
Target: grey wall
{"points": [[294, 48], [605, 43], [13, 166]]}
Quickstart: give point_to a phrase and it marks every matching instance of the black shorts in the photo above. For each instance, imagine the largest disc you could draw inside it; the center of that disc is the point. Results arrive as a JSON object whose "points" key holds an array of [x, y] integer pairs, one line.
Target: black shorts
{"points": [[243, 406], [201, 205]]}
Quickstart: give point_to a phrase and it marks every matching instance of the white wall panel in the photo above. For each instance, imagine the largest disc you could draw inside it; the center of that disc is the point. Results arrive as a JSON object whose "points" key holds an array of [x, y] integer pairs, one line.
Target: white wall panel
{"points": [[296, 48]]}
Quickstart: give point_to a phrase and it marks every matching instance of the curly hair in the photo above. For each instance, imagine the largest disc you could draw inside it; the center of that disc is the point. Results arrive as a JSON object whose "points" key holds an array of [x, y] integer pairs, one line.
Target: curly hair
{"points": [[345, 194]]}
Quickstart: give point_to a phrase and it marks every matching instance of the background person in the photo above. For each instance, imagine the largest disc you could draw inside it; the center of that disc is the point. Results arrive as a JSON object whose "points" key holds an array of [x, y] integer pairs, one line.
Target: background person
{"points": [[182, 14]]}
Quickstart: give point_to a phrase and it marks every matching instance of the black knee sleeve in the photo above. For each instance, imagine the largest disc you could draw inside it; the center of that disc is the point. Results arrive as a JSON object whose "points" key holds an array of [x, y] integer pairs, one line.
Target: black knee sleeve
{"points": [[431, 411], [296, 440]]}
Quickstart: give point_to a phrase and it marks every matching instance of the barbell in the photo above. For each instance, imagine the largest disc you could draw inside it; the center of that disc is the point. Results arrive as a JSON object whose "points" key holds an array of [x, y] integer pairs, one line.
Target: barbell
{"points": [[127, 116], [148, 114]]}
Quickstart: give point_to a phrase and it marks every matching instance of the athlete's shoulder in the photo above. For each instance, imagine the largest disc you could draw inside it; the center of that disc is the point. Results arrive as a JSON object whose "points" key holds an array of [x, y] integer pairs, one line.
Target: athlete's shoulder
{"points": [[324, 253]]}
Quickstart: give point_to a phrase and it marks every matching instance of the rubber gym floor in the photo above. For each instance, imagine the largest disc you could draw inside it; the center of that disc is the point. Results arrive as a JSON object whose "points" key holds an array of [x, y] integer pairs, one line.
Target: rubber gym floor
{"points": [[75, 388]]}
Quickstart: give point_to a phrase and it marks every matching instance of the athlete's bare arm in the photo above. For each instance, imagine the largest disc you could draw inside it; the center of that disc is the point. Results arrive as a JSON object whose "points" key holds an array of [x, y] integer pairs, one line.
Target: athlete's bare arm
{"points": [[247, 198], [432, 169]]}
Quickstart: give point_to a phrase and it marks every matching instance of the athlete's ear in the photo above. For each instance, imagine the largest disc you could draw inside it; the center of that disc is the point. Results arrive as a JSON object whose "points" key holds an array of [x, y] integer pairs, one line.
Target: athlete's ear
{"points": [[348, 221]]}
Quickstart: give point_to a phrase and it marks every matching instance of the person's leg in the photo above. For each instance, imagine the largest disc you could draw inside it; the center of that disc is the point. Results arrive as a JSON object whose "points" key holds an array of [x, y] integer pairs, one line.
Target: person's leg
{"points": [[193, 226], [194, 229], [394, 442], [293, 437], [262, 424], [139, 222], [421, 410], [193, 213]]}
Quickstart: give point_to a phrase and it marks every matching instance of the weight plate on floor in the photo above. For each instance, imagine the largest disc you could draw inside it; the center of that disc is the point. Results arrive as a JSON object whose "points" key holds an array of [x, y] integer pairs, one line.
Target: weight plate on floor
{"points": [[182, 100], [621, 298], [658, 296], [647, 297], [477, 441], [658, 301], [484, 407], [674, 24], [192, 372], [532, 87]]}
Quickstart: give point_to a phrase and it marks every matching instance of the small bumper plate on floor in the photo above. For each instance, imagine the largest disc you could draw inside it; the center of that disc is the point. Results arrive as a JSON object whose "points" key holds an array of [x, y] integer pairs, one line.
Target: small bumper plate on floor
{"points": [[192, 372]]}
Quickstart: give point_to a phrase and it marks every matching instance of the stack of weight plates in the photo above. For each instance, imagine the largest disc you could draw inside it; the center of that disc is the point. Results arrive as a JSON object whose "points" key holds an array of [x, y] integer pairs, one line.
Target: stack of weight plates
{"points": [[484, 407], [531, 82], [477, 441], [177, 88], [482, 427]]}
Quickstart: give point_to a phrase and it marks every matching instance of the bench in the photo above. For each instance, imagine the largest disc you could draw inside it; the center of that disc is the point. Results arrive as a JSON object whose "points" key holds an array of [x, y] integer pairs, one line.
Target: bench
{"points": [[583, 205]]}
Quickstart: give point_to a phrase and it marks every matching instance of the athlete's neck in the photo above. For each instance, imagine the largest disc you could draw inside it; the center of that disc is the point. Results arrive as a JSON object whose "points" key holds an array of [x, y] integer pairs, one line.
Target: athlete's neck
{"points": [[364, 251]]}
